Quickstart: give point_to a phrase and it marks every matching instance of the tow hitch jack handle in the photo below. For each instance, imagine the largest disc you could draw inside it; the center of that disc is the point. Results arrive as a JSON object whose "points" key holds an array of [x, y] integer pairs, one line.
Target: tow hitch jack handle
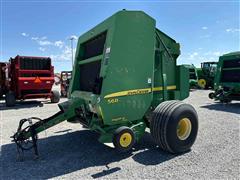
{"points": [[25, 144]]}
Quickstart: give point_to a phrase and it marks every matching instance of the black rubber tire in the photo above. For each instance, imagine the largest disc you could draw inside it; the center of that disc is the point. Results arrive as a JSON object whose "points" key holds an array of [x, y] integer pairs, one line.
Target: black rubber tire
{"points": [[10, 99], [164, 122], [211, 95], [116, 139], [55, 98]]}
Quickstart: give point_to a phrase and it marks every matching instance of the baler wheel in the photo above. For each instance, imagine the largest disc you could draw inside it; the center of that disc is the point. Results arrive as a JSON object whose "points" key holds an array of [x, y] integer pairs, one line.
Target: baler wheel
{"points": [[174, 126], [10, 99], [202, 83], [55, 97], [211, 95], [124, 139]]}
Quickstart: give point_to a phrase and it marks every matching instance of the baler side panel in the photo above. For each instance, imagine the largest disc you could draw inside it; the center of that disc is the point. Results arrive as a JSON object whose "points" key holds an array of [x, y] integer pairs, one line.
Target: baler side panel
{"points": [[164, 66], [182, 77], [125, 91], [166, 53]]}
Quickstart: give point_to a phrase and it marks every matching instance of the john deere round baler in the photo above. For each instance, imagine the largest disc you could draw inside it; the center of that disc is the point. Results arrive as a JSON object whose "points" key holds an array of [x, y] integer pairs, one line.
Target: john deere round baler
{"points": [[227, 79], [125, 79]]}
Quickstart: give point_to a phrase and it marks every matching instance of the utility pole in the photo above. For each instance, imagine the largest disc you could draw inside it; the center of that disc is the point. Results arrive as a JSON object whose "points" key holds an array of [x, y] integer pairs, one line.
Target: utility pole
{"points": [[72, 39]]}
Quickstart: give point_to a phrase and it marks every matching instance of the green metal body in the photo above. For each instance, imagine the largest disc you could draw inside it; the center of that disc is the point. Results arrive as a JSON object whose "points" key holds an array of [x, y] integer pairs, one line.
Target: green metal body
{"points": [[193, 76], [124, 68], [207, 72], [227, 79]]}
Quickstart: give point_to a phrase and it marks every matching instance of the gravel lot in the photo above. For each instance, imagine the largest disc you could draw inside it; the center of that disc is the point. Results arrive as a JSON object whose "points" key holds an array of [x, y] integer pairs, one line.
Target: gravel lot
{"points": [[67, 151]]}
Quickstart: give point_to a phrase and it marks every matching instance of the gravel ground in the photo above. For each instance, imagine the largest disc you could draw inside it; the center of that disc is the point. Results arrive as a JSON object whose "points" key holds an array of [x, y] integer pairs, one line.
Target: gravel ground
{"points": [[67, 151]]}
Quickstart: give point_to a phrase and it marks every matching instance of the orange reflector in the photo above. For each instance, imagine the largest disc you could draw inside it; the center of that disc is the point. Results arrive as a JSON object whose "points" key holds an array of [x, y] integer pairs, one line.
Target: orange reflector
{"points": [[37, 80]]}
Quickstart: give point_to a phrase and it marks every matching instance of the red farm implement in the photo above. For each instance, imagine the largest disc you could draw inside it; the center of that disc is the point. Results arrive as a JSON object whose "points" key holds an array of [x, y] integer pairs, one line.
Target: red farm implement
{"points": [[2, 78], [30, 78]]}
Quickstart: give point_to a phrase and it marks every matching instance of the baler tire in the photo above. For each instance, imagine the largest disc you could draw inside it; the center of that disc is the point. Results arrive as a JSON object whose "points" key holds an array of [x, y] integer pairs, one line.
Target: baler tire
{"points": [[211, 95], [10, 99], [174, 126], [118, 136], [55, 98]]}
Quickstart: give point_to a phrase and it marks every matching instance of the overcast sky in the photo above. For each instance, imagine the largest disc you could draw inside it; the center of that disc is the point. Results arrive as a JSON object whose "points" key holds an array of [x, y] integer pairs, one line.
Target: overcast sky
{"points": [[204, 29]]}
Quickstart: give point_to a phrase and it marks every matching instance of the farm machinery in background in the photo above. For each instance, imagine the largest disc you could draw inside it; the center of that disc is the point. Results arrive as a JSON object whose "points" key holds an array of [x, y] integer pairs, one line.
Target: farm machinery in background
{"points": [[29, 77], [2, 78], [206, 75], [125, 79], [193, 76], [65, 79], [227, 80]]}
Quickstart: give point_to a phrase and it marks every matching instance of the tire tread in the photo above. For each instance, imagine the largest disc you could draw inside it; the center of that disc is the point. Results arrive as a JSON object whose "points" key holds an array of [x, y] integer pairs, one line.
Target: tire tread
{"points": [[159, 122]]}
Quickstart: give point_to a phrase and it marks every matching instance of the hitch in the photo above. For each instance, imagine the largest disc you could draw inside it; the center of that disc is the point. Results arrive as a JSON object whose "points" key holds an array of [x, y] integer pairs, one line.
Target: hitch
{"points": [[26, 136]]}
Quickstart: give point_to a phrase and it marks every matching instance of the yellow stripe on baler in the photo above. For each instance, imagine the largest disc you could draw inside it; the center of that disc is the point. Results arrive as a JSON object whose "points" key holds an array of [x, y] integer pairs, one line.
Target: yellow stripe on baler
{"points": [[138, 91]]}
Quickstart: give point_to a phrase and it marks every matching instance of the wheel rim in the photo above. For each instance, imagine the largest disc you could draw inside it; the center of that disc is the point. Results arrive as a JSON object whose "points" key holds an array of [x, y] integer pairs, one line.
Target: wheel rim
{"points": [[202, 83], [125, 139], [184, 128]]}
